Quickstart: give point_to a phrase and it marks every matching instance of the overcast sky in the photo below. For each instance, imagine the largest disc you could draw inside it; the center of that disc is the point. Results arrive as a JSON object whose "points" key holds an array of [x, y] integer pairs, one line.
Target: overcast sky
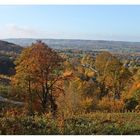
{"points": [[71, 22]]}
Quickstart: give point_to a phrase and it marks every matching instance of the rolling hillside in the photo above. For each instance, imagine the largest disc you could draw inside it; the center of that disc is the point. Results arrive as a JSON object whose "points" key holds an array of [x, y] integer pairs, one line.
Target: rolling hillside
{"points": [[8, 54], [9, 47], [94, 45]]}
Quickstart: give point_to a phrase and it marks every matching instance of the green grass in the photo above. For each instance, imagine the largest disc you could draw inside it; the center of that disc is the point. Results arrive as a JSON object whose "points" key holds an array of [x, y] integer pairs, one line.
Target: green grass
{"points": [[89, 124], [5, 90]]}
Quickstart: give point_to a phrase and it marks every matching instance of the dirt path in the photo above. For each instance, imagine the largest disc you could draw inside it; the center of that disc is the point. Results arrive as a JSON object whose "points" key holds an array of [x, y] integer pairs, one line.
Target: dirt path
{"points": [[5, 100]]}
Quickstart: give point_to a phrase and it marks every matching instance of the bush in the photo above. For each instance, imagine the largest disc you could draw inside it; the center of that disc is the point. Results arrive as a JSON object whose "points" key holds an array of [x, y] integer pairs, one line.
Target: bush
{"points": [[26, 125], [87, 124], [110, 105], [130, 104]]}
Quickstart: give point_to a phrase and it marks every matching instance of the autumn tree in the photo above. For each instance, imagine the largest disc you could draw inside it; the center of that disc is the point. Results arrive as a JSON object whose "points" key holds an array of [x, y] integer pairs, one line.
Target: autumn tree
{"points": [[38, 69], [80, 90], [112, 76], [132, 96], [88, 60]]}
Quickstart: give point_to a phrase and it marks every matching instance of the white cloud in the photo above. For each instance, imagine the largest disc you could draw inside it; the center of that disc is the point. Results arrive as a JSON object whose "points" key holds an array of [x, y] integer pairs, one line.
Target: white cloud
{"points": [[22, 30], [11, 31], [16, 31]]}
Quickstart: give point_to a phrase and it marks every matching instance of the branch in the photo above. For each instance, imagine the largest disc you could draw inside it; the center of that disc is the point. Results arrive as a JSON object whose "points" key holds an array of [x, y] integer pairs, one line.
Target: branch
{"points": [[39, 96], [54, 82]]}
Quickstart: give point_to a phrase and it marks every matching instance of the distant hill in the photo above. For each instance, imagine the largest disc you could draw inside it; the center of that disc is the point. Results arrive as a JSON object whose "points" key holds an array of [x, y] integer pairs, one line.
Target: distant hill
{"points": [[8, 54], [99, 45], [9, 47]]}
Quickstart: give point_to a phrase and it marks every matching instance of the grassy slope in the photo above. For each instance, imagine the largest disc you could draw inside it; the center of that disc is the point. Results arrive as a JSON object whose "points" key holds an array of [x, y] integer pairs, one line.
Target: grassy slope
{"points": [[89, 124]]}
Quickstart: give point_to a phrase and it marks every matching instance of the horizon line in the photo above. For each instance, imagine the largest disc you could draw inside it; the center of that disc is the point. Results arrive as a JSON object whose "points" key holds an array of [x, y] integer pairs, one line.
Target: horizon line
{"points": [[71, 39]]}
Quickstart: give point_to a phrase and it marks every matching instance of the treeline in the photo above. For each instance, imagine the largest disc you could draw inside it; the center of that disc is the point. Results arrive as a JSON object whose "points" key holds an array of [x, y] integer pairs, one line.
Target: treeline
{"points": [[51, 83]]}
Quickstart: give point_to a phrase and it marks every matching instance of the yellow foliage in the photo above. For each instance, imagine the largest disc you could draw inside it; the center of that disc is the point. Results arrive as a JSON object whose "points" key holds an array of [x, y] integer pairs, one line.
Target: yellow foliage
{"points": [[67, 73], [87, 102], [110, 104], [132, 90], [91, 74]]}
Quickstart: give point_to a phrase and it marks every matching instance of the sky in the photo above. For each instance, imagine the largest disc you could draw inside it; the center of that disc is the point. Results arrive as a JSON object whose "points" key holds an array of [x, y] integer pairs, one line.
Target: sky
{"points": [[90, 22]]}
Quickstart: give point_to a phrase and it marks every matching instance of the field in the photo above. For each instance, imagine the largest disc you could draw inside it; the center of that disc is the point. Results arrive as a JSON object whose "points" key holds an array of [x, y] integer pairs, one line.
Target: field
{"points": [[87, 124]]}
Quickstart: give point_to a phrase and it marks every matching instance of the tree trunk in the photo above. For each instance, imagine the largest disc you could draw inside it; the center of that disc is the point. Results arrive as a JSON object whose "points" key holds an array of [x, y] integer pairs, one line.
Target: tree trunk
{"points": [[30, 99]]}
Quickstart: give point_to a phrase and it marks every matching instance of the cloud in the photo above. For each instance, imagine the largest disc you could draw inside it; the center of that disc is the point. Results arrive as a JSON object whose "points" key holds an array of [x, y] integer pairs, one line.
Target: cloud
{"points": [[12, 31], [16, 31], [21, 30]]}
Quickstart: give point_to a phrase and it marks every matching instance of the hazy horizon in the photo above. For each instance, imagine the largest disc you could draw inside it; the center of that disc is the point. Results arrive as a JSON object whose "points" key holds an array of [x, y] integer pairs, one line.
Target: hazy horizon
{"points": [[70, 39], [89, 22]]}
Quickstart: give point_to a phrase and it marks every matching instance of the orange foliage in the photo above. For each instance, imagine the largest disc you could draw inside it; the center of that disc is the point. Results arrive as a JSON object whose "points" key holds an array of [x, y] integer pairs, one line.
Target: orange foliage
{"points": [[110, 104]]}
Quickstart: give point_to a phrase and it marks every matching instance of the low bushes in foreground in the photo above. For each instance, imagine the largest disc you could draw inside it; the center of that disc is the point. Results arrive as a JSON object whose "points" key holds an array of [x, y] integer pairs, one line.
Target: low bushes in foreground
{"points": [[88, 124]]}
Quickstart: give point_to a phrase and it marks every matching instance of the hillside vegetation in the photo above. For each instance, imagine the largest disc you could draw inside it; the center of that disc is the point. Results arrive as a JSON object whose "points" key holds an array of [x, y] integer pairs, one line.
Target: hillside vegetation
{"points": [[87, 124], [8, 54], [70, 92], [9, 47]]}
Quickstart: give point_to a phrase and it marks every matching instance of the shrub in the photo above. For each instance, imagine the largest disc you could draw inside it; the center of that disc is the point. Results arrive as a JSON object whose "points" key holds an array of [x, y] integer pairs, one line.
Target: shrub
{"points": [[110, 105]]}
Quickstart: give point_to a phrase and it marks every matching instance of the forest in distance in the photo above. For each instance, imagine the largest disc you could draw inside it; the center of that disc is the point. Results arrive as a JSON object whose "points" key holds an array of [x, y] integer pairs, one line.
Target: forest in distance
{"points": [[63, 91]]}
